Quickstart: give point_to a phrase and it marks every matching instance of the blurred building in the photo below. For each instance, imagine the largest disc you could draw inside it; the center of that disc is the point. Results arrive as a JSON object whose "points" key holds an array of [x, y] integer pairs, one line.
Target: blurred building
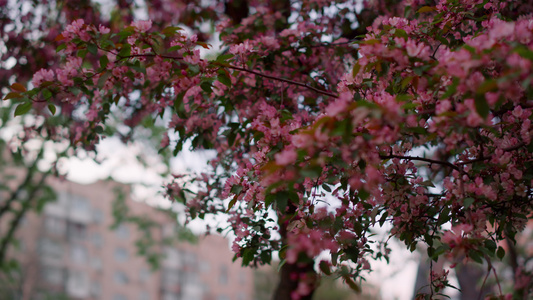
{"points": [[69, 251]]}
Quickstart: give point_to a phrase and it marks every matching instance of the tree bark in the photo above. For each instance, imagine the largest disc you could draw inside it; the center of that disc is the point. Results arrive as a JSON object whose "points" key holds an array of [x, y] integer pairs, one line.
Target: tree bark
{"points": [[290, 274], [288, 281]]}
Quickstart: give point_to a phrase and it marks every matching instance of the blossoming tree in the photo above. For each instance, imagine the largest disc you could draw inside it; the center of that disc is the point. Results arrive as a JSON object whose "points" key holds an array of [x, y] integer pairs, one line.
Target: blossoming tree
{"points": [[328, 119]]}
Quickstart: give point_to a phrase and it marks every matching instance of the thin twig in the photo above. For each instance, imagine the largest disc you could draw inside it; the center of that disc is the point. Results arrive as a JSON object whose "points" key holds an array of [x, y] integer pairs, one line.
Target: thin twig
{"points": [[428, 160], [30, 199], [484, 281], [323, 92], [497, 280], [470, 161]]}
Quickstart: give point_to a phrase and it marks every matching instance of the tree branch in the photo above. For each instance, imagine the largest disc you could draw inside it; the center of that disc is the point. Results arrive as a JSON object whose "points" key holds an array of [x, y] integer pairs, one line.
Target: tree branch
{"points": [[470, 161], [428, 160], [327, 93], [29, 176], [323, 92], [6, 240]]}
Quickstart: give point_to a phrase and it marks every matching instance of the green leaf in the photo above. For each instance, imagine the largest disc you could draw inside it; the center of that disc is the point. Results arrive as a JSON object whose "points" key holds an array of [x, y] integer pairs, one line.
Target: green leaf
{"points": [[427, 183], [47, 94], [232, 202], [206, 86], [500, 252], [92, 48], [18, 87], [491, 246], [224, 57], [269, 199], [61, 47], [179, 106], [247, 256], [82, 53], [334, 258], [349, 281], [224, 79], [451, 89], [426, 9], [174, 48], [236, 189], [52, 109], [524, 52], [23, 108], [482, 107], [474, 255], [363, 194], [124, 51], [324, 267], [487, 86], [355, 69], [282, 199], [311, 171], [12, 95], [401, 33], [467, 202], [103, 61], [171, 30], [99, 129], [371, 42]]}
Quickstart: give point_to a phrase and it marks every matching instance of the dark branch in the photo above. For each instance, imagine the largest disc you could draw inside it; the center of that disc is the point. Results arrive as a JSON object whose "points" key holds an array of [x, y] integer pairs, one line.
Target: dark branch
{"points": [[428, 160], [323, 92]]}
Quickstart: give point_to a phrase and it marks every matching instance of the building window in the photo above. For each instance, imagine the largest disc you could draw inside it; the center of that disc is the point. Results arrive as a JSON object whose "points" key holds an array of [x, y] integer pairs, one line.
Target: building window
{"points": [[120, 277], [121, 254], [191, 260], [50, 249], [76, 231], [78, 284], [144, 275], [79, 203], [53, 275], [20, 245], [122, 231], [98, 216], [96, 263], [172, 257], [96, 289], [170, 278], [144, 296], [97, 240], [204, 267], [170, 296], [78, 253], [242, 277], [119, 297], [55, 226], [223, 275]]}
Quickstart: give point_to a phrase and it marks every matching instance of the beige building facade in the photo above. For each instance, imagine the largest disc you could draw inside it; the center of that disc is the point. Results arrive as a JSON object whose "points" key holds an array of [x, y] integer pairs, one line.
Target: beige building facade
{"points": [[70, 251]]}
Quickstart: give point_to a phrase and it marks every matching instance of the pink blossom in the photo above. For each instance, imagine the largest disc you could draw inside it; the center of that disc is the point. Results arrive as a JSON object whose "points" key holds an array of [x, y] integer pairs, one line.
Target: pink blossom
{"points": [[501, 30], [41, 76], [241, 48], [194, 58], [73, 29], [165, 141], [142, 25], [103, 30], [419, 50], [286, 157]]}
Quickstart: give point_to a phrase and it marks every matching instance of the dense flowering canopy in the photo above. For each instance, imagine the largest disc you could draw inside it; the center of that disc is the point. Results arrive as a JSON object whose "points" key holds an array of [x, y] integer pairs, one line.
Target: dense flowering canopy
{"points": [[424, 122]]}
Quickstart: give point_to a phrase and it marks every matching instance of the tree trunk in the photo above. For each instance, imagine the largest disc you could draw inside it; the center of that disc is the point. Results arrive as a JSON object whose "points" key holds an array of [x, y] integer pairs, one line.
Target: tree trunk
{"points": [[288, 281], [291, 274]]}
